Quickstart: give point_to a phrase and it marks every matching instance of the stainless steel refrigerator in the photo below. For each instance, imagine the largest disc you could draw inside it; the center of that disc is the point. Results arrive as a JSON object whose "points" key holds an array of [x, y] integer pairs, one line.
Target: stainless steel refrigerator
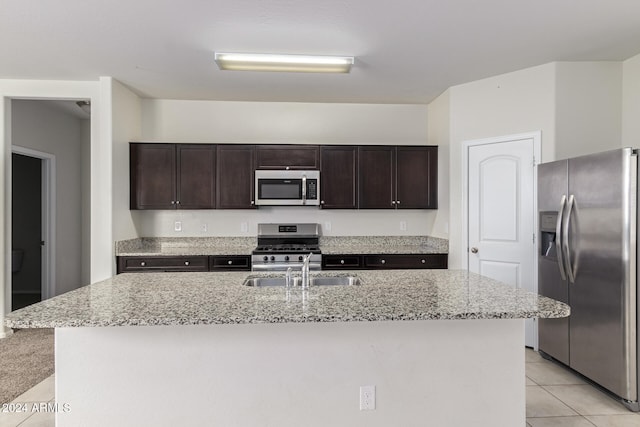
{"points": [[587, 212]]}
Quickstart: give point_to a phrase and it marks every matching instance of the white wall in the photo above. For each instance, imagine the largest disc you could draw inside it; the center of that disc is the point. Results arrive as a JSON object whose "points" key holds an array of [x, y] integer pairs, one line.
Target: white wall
{"points": [[126, 116], [85, 172], [40, 126], [283, 122], [53, 89], [439, 134], [631, 102], [513, 103], [588, 107]]}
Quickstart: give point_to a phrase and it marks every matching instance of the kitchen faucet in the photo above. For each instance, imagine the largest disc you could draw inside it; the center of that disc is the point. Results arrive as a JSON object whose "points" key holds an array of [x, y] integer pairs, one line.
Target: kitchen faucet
{"points": [[305, 271], [287, 278]]}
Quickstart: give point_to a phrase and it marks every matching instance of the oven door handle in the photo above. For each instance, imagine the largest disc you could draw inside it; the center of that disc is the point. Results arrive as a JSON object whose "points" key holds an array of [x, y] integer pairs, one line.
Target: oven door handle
{"points": [[304, 189]]}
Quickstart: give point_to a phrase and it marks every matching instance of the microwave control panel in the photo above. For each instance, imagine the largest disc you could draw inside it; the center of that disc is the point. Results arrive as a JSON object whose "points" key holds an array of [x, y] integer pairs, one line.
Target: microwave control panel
{"points": [[312, 189]]}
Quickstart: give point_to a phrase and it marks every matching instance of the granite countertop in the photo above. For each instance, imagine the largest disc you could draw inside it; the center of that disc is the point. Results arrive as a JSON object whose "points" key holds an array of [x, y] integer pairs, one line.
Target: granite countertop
{"points": [[164, 246], [186, 246], [381, 250], [138, 299]]}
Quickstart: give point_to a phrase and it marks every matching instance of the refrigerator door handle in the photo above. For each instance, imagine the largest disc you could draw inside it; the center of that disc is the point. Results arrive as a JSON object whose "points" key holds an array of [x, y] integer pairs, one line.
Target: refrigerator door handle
{"points": [[559, 239], [565, 241]]}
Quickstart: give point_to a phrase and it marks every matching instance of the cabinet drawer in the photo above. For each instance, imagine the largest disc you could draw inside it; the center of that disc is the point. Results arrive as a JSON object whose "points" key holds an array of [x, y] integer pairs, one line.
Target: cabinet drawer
{"points": [[405, 261], [230, 262], [163, 263], [336, 262]]}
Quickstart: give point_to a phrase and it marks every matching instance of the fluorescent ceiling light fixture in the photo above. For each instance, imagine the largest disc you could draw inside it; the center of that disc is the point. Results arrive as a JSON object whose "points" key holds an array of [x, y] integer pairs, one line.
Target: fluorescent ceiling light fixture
{"points": [[286, 63]]}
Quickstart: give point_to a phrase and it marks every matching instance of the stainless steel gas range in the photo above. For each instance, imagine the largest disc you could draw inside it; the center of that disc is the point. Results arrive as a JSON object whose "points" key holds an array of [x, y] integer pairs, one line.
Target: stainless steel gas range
{"points": [[281, 246]]}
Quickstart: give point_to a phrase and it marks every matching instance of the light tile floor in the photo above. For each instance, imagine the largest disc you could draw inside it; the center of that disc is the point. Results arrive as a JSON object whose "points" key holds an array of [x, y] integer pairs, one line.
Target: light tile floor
{"points": [[558, 397], [555, 397], [30, 408]]}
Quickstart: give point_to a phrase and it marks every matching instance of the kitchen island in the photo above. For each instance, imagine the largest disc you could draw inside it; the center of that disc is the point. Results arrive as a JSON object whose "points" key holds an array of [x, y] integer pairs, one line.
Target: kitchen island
{"points": [[441, 347]]}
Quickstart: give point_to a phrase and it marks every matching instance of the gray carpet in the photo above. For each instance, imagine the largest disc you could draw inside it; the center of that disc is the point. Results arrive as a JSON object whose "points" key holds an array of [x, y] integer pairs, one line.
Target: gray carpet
{"points": [[26, 359]]}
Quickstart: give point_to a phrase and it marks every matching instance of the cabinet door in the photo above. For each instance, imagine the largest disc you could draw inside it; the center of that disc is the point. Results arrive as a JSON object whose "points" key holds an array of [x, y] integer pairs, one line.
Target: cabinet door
{"points": [[235, 170], [152, 176], [287, 157], [339, 177], [376, 177], [196, 176], [417, 177]]}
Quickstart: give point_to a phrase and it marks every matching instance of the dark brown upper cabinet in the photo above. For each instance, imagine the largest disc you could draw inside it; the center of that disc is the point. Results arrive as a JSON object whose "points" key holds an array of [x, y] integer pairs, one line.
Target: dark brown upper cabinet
{"points": [[288, 157], [402, 177], [417, 177], [376, 177], [172, 176], [338, 177], [206, 176], [196, 176], [235, 176]]}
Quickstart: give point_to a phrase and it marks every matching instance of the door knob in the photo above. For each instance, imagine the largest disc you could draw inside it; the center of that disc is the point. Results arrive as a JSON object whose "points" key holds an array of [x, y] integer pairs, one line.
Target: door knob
{"points": [[474, 250]]}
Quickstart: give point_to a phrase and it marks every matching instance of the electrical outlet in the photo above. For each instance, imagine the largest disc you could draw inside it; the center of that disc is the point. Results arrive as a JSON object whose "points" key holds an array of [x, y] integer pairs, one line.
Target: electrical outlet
{"points": [[327, 226], [177, 226], [367, 397], [203, 228], [244, 227], [403, 225]]}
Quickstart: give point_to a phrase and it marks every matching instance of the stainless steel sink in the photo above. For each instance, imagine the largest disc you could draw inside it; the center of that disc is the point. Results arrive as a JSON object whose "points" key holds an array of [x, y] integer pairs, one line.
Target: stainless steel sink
{"points": [[295, 281], [334, 281]]}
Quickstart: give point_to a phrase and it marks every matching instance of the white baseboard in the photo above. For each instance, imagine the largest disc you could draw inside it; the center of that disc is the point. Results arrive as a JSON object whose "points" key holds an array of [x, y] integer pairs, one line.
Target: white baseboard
{"points": [[5, 332]]}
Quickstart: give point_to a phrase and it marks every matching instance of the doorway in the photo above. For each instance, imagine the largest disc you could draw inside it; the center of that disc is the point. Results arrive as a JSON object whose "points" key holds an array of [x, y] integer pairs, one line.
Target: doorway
{"points": [[500, 209], [26, 231], [32, 234]]}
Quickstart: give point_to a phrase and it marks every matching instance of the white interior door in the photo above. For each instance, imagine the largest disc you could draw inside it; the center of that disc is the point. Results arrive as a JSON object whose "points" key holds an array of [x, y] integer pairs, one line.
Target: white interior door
{"points": [[501, 214]]}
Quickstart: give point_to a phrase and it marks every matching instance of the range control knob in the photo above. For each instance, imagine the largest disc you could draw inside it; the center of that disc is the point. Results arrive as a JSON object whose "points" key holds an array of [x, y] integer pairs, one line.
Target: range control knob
{"points": [[300, 258], [265, 258], [286, 257], [273, 258]]}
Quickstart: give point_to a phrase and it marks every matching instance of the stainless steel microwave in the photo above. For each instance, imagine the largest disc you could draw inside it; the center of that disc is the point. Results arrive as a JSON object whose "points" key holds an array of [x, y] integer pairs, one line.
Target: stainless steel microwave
{"points": [[287, 188]]}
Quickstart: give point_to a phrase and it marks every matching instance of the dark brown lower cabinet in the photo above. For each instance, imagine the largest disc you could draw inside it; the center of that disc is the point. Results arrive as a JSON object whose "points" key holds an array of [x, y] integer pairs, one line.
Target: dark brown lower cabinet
{"points": [[396, 261], [341, 262], [230, 263], [163, 263], [138, 264], [384, 262]]}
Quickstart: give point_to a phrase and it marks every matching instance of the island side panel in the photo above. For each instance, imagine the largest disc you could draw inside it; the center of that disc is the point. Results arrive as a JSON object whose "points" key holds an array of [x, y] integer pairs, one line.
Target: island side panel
{"points": [[442, 372]]}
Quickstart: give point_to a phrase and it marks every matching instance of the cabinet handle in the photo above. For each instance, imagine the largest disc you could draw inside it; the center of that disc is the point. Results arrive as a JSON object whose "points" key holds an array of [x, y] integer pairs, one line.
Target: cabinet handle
{"points": [[229, 262], [142, 264], [423, 261], [341, 261], [397, 202], [287, 168], [383, 262], [173, 202], [252, 203], [393, 202], [186, 263], [322, 202], [177, 202]]}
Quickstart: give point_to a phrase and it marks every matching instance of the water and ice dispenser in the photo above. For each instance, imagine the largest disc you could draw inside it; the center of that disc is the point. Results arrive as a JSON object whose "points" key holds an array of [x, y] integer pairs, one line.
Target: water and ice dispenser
{"points": [[547, 223]]}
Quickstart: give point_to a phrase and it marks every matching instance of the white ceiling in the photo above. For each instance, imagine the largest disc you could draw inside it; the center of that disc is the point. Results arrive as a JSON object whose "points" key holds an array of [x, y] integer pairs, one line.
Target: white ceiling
{"points": [[407, 51]]}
